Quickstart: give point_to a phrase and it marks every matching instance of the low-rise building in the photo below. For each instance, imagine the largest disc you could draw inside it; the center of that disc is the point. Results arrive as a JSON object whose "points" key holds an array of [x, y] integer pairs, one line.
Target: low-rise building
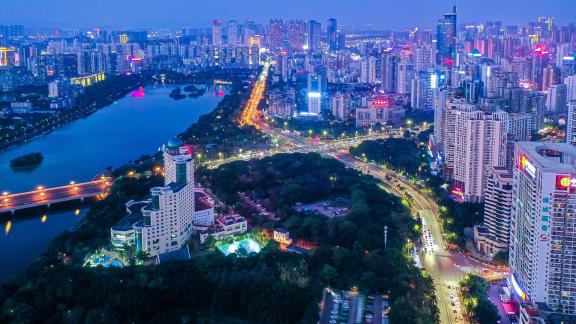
{"points": [[224, 227], [281, 235]]}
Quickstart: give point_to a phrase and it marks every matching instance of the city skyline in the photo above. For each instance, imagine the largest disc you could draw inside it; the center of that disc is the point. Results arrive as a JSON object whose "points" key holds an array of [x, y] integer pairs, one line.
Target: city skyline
{"points": [[146, 13]]}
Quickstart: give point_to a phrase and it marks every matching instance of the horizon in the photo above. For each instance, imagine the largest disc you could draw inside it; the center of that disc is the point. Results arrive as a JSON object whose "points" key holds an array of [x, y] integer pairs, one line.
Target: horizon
{"points": [[418, 13]]}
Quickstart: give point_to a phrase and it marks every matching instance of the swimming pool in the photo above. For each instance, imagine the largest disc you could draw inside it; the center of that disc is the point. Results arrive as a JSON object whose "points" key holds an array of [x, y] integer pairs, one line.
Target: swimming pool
{"points": [[249, 244], [104, 261]]}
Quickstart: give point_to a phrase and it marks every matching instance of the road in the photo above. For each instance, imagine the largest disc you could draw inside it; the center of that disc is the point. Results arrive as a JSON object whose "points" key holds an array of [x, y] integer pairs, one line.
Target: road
{"points": [[445, 267]]}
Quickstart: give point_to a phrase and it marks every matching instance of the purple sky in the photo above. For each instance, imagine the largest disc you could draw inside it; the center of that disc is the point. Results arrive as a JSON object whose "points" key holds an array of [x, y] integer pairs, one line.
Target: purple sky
{"points": [[179, 13]]}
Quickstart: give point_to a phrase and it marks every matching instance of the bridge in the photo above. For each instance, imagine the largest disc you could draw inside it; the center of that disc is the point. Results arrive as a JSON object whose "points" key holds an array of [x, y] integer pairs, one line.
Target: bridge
{"points": [[48, 196]]}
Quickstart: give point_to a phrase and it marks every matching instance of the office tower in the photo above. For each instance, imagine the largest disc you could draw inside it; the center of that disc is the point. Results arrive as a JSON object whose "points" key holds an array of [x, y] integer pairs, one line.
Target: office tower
{"points": [[550, 76], [314, 93], [232, 33], [404, 78], [368, 70], [314, 32], [543, 226], [472, 90], [296, 35], [493, 235], [388, 72], [332, 33], [570, 82], [446, 42], [276, 35], [571, 123], [217, 33], [556, 99], [165, 223]]}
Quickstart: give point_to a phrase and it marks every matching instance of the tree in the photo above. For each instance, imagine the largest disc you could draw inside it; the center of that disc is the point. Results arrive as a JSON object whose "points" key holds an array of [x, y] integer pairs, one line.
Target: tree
{"points": [[328, 273], [501, 258]]}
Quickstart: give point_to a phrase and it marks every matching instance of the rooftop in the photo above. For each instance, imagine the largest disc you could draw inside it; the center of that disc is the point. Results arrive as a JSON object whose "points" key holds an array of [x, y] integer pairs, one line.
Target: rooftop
{"points": [[557, 156], [134, 216]]}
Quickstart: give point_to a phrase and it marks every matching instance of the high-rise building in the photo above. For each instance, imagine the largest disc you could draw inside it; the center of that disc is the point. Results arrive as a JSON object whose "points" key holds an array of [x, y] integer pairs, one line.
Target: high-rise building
{"points": [[493, 235], [276, 35], [314, 33], [570, 82], [556, 99], [423, 58], [473, 142], [314, 93], [217, 33], [332, 33], [571, 123], [543, 226], [296, 35], [232, 33], [440, 103], [405, 75], [165, 223], [424, 90], [388, 72], [446, 41], [368, 70], [339, 105]]}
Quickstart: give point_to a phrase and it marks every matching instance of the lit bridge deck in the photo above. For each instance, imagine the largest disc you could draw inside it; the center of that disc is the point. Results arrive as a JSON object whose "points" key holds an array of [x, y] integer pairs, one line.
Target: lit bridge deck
{"points": [[48, 196]]}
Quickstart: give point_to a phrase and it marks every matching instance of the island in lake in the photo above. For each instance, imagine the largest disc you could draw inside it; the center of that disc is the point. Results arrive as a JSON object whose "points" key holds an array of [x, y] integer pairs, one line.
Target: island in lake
{"points": [[27, 161]]}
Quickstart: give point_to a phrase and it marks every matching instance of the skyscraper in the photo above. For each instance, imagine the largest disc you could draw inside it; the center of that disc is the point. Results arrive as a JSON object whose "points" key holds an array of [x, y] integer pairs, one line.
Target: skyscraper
{"points": [[446, 42], [388, 72], [276, 35], [314, 93], [314, 32], [232, 33], [217, 32], [332, 33], [296, 35], [543, 226]]}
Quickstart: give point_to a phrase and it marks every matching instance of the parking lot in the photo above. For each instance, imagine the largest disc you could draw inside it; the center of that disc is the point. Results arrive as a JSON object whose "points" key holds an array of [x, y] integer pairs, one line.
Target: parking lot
{"points": [[330, 208], [348, 307]]}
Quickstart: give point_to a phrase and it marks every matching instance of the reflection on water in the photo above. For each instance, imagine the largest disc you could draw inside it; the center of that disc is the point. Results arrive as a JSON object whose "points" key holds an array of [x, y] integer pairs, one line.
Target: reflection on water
{"points": [[7, 228], [78, 151]]}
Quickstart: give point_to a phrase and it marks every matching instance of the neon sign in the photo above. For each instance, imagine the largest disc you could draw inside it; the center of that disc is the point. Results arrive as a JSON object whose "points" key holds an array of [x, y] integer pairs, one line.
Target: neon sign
{"points": [[564, 182], [527, 166]]}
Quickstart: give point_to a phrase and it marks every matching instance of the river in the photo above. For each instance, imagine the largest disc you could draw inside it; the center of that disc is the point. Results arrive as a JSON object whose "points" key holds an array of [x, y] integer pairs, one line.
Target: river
{"points": [[137, 124]]}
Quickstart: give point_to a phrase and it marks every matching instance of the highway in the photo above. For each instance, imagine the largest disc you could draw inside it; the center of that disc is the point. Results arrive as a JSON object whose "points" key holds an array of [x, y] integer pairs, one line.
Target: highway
{"points": [[46, 196]]}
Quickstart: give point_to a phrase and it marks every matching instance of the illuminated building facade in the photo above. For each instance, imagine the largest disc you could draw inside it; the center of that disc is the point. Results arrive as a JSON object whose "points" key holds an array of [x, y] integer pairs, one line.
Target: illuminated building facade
{"points": [[165, 223], [543, 226], [446, 41]]}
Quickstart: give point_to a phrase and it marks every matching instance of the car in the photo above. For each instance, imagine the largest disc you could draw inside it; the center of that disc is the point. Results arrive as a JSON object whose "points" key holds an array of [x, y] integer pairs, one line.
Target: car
{"points": [[333, 322], [334, 311]]}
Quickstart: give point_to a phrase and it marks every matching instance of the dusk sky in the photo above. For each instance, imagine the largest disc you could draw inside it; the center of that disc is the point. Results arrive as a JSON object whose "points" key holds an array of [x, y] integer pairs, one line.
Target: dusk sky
{"points": [[189, 13]]}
